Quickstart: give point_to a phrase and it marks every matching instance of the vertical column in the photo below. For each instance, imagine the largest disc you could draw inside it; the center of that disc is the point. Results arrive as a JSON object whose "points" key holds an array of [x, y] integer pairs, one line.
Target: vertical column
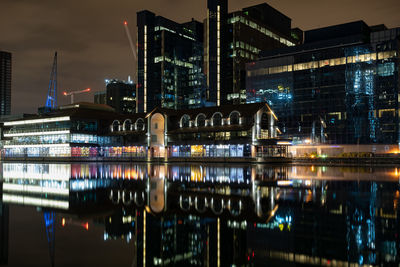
{"points": [[145, 71], [218, 55], [144, 238], [218, 242]]}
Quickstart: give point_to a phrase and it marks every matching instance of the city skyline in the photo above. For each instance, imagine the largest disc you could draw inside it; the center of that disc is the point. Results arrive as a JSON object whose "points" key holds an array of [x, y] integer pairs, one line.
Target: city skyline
{"points": [[92, 44]]}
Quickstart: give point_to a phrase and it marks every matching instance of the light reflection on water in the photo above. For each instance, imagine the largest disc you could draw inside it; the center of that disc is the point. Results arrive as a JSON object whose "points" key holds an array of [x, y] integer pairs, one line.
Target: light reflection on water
{"points": [[217, 215]]}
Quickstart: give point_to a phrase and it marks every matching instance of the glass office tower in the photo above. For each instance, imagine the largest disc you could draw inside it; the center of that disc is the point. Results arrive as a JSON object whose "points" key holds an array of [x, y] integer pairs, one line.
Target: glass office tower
{"points": [[233, 39], [341, 86], [5, 83], [121, 95], [169, 63]]}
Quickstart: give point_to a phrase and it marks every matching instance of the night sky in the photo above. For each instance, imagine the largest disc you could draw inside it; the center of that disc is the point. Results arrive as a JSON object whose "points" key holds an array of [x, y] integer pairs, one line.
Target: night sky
{"points": [[92, 45]]}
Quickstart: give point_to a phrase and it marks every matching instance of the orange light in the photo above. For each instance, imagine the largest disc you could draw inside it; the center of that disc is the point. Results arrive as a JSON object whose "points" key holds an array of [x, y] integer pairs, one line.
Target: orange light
{"points": [[63, 222], [125, 22], [87, 226], [65, 93], [87, 90]]}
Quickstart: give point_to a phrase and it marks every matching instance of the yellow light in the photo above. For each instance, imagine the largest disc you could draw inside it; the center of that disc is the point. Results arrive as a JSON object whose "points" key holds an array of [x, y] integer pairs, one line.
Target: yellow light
{"points": [[283, 143], [284, 183], [144, 238]]}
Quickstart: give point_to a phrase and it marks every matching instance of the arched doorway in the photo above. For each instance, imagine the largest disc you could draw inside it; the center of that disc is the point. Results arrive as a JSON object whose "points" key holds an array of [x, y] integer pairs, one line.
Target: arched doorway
{"points": [[157, 145]]}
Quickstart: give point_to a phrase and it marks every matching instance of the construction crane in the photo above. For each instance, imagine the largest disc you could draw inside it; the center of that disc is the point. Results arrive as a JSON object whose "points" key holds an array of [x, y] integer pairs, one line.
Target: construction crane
{"points": [[130, 41], [72, 93], [51, 101], [133, 49]]}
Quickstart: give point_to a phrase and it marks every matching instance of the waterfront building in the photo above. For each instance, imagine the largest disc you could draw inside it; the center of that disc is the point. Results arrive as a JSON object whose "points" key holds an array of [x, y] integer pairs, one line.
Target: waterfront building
{"points": [[170, 60], [233, 39], [71, 131], [232, 131], [5, 83], [97, 131], [341, 86], [121, 96]]}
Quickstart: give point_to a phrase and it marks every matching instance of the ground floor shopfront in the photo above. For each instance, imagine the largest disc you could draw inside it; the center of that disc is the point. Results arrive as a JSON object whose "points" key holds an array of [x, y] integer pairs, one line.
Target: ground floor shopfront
{"points": [[210, 151]]}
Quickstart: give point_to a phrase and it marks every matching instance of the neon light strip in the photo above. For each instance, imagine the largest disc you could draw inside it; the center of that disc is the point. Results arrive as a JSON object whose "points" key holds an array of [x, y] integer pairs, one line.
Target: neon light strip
{"points": [[40, 145], [32, 201], [283, 143], [144, 238], [36, 133], [35, 189], [12, 123], [145, 71], [36, 176], [218, 56], [218, 243]]}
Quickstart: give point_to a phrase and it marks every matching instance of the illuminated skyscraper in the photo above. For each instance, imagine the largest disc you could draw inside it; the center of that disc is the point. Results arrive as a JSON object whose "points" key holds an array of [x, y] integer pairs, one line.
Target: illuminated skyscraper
{"points": [[169, 63], [233, 39], [5, 83], [215, 48], [341, 86], [121, 96]]}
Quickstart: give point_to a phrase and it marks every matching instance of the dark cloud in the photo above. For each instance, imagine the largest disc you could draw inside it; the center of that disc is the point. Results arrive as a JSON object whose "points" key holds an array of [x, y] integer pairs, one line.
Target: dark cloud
{"points": [[92, 46]]}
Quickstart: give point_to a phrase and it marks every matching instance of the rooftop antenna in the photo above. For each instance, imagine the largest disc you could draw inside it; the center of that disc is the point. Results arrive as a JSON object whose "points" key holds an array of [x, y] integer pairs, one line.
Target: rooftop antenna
{"points": [[51, 102]]}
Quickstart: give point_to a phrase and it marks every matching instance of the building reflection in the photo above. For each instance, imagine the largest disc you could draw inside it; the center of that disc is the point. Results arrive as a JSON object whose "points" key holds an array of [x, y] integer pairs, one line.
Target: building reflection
{"points": [[216, 215], [4, 228]]}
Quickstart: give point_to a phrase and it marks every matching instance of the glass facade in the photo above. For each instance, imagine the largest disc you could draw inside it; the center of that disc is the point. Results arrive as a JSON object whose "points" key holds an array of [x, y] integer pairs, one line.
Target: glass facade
{"points": [[347, 94], [211, 151], [170, 57], [250, 35], [234, 131], [120, 95], [5, 83]]}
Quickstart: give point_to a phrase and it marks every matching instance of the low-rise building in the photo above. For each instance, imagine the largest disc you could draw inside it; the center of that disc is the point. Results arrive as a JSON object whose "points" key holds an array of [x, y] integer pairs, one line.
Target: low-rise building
{"points": [[85, 130]]}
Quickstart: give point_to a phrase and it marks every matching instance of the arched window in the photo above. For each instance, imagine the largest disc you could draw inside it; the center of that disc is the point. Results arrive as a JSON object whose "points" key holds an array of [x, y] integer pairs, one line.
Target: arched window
{"points": [[201, 120], [264, 121], [217, 119], [127, 125], [234, 118], [185, 121], [139, 125], [115, 126]]}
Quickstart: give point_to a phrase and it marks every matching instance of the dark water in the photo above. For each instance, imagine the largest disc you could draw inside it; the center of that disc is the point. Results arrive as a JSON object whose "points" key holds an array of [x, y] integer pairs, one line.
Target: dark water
{"points": [[198, 215]]}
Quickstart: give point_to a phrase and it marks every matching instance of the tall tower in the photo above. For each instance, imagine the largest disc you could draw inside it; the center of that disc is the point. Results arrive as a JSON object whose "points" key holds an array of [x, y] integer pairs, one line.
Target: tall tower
{"points": [[169, 60], [5, 83], [215, 49], [145, 31]]}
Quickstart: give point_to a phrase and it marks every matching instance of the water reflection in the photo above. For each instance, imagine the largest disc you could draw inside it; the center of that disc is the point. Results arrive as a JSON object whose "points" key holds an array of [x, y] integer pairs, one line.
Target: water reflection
{"points": [[218, 215]]}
